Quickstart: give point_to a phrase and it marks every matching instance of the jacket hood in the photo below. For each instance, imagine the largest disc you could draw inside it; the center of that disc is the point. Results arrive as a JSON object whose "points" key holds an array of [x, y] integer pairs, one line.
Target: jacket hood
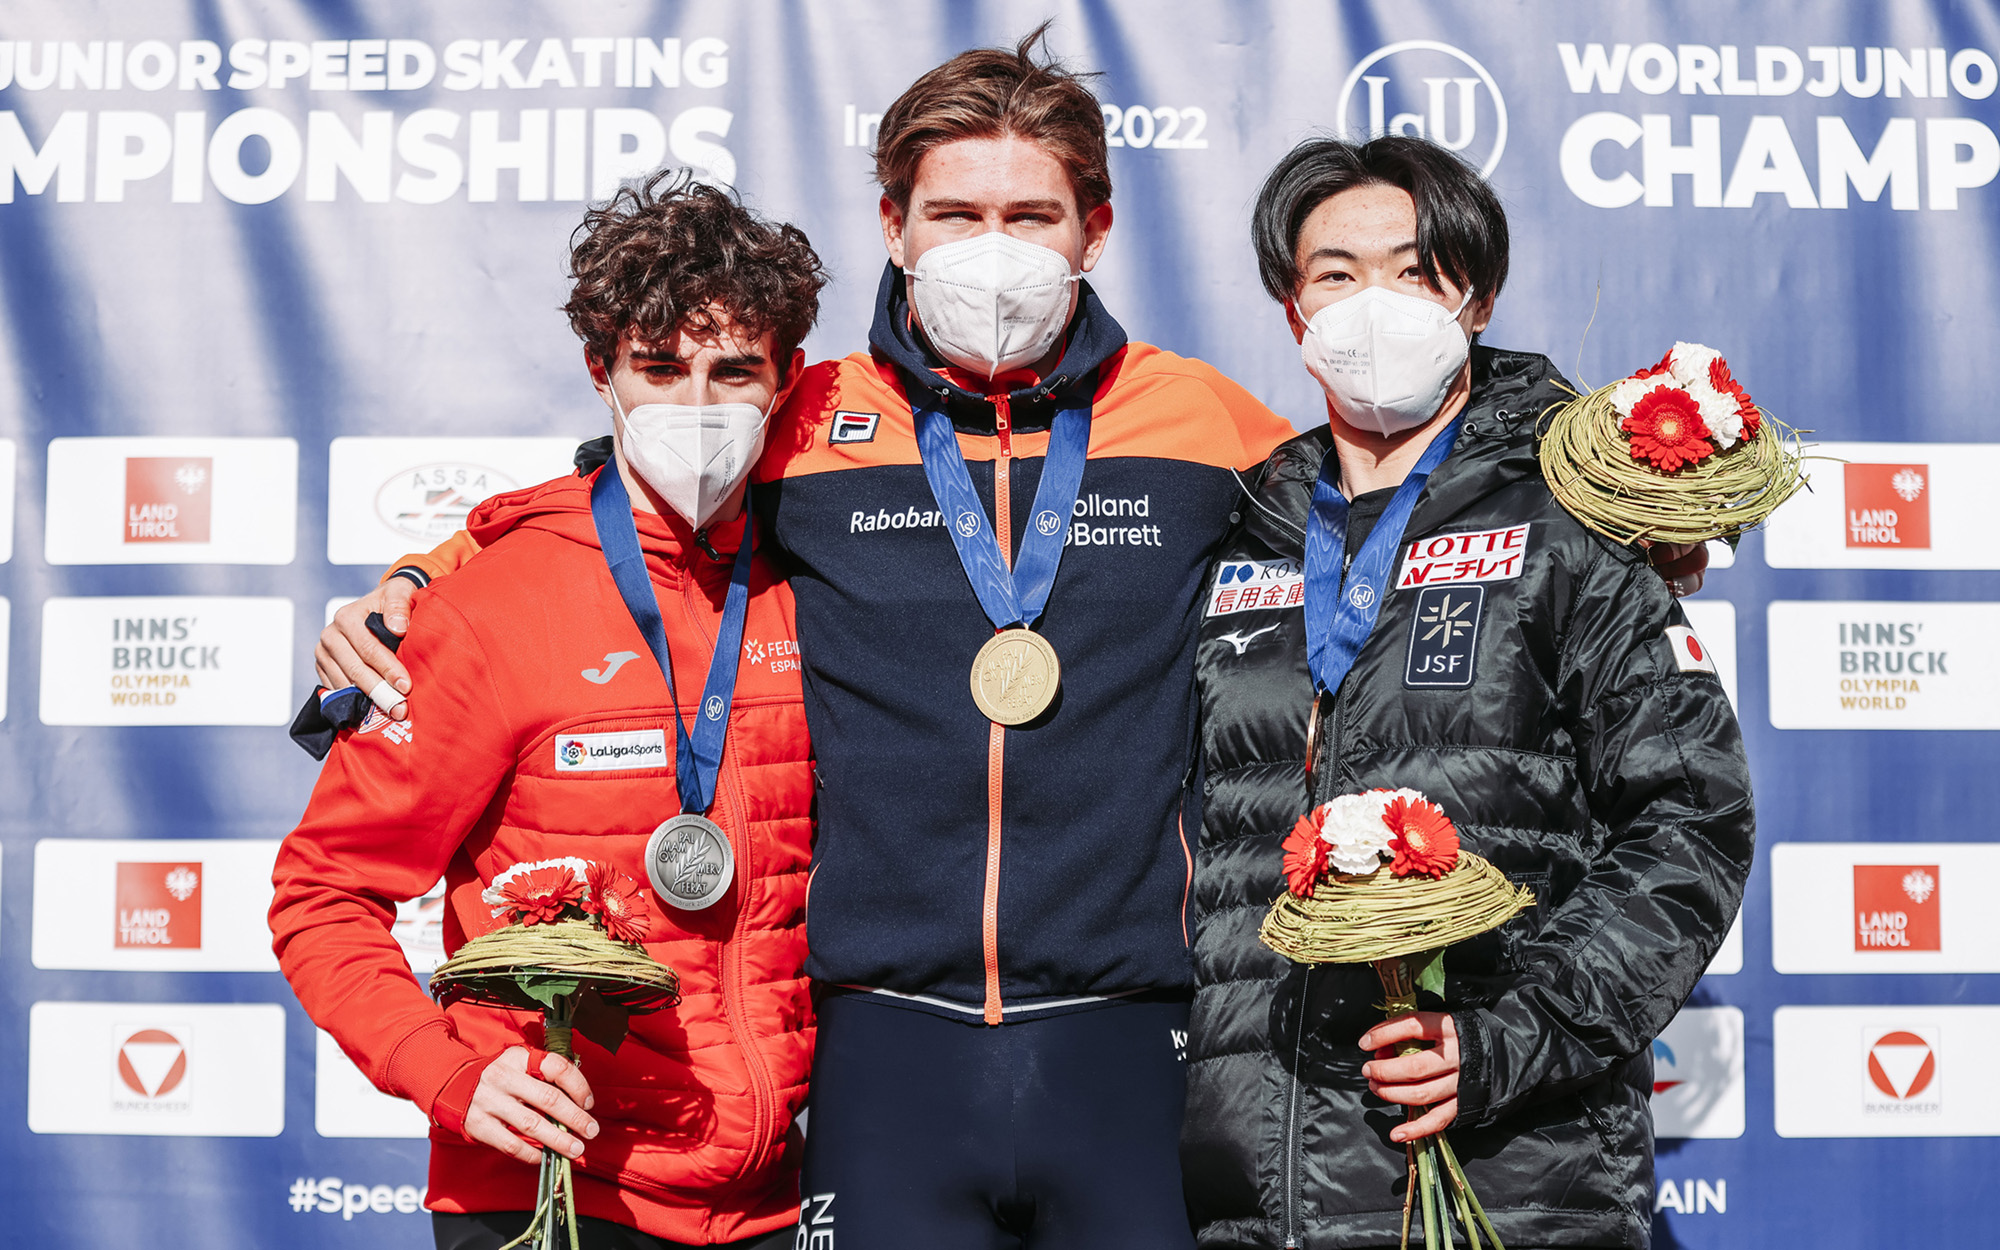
{"points": [[1093, 337], [562, 507]]}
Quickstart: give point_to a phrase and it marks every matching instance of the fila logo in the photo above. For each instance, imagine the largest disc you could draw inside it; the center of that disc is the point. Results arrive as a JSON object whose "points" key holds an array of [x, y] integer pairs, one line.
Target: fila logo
{"points": [[613, 661], [853, 427]]}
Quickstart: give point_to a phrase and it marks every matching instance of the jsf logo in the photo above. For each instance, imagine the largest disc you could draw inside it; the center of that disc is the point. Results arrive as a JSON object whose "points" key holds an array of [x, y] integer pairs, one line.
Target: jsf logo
{"points": [[1431, 90]]}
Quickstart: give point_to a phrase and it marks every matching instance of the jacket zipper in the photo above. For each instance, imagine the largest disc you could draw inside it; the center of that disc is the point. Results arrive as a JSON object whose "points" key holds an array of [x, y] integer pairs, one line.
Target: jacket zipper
{"points": [[763, 1096], [996, 737], [1292, 1133]]}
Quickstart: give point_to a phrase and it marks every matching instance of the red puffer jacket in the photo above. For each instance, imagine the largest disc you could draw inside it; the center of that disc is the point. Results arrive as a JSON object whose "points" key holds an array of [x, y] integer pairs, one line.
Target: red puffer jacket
{"points": [[524, 650]]}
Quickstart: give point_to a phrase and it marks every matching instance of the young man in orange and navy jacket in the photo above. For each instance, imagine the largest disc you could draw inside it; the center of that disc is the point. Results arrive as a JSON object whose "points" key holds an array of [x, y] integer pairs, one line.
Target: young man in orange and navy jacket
{"points": [[542, 728]]}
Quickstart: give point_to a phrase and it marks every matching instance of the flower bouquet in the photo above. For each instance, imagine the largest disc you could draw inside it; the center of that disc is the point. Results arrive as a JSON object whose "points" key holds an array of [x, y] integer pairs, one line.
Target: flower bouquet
{"points": [[570, 949], [1677, 453], [1379, 878]]}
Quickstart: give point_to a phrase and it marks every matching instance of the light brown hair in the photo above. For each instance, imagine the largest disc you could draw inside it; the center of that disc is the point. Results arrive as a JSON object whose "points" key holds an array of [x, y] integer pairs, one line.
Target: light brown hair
{"points": [[989, 93]]}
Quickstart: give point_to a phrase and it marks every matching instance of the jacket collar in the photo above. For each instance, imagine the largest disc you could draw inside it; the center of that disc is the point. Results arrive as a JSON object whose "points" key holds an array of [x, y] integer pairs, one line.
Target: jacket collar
{"points": [[1094, 337]]}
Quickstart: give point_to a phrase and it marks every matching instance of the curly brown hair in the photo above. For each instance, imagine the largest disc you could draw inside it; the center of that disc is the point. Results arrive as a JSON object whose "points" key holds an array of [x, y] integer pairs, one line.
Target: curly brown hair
{"points": [[655, 259], [993, 92]]}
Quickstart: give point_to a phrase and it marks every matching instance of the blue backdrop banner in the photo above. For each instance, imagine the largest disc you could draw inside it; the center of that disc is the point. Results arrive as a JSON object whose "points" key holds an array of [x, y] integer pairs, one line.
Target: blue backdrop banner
{"points": [[278, 302]]}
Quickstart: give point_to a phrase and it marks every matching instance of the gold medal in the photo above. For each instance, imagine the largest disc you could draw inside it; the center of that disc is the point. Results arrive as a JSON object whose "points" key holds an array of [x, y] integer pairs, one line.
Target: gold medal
{"points": [[1015, 676]]}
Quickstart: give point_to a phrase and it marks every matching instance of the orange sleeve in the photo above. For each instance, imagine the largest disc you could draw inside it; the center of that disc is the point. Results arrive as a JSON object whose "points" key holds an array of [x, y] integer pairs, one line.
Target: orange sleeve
{"points": [[448, 556], [1258, 428], [389, 812]]}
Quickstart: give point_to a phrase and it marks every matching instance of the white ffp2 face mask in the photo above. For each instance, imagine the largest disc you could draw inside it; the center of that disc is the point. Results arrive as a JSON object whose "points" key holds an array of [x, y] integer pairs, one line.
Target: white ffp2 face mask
{"points": [[694, 455], [1387, 360], [992, 302]]}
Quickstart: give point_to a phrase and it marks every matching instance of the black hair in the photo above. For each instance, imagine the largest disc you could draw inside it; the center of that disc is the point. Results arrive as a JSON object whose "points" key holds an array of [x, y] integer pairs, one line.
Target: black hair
{"points": [[1461, 228]]}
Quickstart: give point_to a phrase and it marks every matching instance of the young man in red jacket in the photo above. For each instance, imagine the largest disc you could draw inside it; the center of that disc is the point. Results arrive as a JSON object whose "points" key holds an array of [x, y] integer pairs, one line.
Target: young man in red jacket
{"points": [[546, 727]]}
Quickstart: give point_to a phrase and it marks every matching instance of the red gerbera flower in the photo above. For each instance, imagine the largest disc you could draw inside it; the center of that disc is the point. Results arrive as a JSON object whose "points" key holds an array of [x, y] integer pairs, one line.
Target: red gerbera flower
{"points": [[1660, 370], [1720, 378], [1305, 857], [540, 895], [614, 900], [1424, 840], [1667, 429]]}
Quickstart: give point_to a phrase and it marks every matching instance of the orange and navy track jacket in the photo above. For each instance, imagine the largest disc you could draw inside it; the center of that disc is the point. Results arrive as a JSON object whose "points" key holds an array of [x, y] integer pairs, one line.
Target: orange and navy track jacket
{"points": [[1004, 873], [959, 867], [525, 652]]}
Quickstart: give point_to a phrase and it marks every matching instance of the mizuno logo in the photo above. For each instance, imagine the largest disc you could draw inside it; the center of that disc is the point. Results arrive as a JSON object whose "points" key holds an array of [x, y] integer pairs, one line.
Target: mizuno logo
{"points": [[613, 661], [1242, 641]]}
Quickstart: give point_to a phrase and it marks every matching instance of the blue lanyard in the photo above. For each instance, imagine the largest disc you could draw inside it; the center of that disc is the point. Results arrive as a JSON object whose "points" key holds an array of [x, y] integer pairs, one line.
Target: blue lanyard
{"points": [[1341, 612], [697, 757], [1015, 598]]}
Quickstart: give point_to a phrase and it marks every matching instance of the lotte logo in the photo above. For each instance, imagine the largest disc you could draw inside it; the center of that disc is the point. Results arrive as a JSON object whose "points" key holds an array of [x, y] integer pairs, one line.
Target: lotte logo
{"points": [[1431, 90]]}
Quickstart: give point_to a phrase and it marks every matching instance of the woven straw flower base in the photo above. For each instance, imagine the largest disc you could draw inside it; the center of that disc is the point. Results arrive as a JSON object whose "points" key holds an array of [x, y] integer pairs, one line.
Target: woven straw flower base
{"points": [[491, 967], [1355, 920]]}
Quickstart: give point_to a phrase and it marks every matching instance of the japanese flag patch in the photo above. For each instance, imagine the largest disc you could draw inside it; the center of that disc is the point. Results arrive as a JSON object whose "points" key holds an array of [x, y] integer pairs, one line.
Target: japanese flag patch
{"points": [[1689, 654]]}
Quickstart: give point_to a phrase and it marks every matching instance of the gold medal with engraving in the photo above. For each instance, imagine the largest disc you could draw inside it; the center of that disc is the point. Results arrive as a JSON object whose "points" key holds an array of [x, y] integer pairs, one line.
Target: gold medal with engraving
{"points": [[1015, 676]]}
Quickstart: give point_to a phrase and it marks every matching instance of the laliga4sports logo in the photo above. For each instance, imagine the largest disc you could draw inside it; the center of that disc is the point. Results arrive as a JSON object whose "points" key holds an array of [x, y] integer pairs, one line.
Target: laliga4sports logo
{"points": [[1431, 90]]}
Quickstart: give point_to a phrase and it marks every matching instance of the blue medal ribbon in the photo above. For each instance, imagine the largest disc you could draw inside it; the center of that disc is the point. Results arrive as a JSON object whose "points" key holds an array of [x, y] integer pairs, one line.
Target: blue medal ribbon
{"points": [[697, 756], [1017, 597], [1341, 611]]}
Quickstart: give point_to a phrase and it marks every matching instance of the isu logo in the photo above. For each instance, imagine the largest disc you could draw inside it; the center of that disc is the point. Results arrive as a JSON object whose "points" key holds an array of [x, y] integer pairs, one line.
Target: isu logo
{"points": [[429, 503], [1430, 90], [166, 498], [1896, 907], [1902, 1072], [1888, 505], [159, 906], [151, 1070]]}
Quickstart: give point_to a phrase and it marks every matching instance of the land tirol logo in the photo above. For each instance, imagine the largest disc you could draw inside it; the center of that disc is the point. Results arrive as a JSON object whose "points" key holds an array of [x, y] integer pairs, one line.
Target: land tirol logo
{"points": [[1888, 505], [167, 498], [1896, 907], [151, 1070], [1431, 90], [159, 907], [1902, 1066], [429, 503]]}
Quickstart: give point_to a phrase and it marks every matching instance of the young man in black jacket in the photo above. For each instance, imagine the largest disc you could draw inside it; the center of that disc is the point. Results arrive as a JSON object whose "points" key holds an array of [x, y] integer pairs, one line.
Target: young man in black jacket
{"points": [[1521, 672]]}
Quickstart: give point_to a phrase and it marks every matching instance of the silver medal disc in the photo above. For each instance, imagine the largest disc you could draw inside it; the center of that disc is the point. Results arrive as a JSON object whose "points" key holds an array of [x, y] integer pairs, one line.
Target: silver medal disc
{"points": [[689, 861]]}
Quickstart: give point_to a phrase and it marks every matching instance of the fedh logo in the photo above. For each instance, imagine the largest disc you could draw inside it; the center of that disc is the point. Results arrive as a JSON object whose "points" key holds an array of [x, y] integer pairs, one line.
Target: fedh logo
{"points": [[1431, 90], [159, 905], [429, 503], [1902, 1072], [167, 498], [1896, 907], [151, 1070], [1888, 505]]}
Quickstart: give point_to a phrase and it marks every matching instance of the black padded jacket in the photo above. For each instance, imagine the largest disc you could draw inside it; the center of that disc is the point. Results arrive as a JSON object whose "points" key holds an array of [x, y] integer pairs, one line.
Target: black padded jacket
{"points": [[1574, 743]]}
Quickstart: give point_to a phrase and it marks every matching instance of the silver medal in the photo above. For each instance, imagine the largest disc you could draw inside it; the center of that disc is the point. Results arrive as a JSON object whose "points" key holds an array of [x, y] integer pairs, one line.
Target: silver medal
{"points": [[689, 861]]}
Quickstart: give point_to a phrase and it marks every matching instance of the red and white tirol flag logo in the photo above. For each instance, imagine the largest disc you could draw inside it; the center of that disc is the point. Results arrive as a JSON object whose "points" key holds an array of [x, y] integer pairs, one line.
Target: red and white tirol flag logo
{"points": [[167, 498], [1903, 1072], [152, 1063], [1888, 505], [159, 906], [1896, 907]]}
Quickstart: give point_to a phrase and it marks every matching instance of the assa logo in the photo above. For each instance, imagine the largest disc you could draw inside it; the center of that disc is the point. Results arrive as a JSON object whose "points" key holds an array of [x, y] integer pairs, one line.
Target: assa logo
{"points": [[151, 1071], [1888, 505], [159, 906], [1902, 1072], [430, 502], [167, 498], [1896, 907]]}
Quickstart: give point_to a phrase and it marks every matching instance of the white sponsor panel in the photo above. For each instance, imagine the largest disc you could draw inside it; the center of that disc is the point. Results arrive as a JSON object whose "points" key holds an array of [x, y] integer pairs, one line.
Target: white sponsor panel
{"points": [[1720, 554], [336, 603], [161, 905], [607, 752], [157, 1069], [1884, 665], [1897, 907], [346, 1105], [1729, 956], [387, 497], [166, 660], [172, 500], [7, 461], [1714, 622], [1893, 1071], [419, 930], [6, 650], [1891, 506], [1698, 1074]]}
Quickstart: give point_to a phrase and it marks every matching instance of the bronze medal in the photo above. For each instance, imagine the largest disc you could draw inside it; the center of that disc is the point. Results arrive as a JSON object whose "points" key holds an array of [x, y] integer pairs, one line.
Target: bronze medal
{"points": [[690, 862], [1015, 676]]}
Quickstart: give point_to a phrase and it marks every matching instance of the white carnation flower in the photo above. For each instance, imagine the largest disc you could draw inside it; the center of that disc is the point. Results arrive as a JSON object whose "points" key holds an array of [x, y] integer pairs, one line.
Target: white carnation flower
{"points": [[1351, 826], [1691, 360], [1719, 413], [1628, 393], [579, 868]]}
